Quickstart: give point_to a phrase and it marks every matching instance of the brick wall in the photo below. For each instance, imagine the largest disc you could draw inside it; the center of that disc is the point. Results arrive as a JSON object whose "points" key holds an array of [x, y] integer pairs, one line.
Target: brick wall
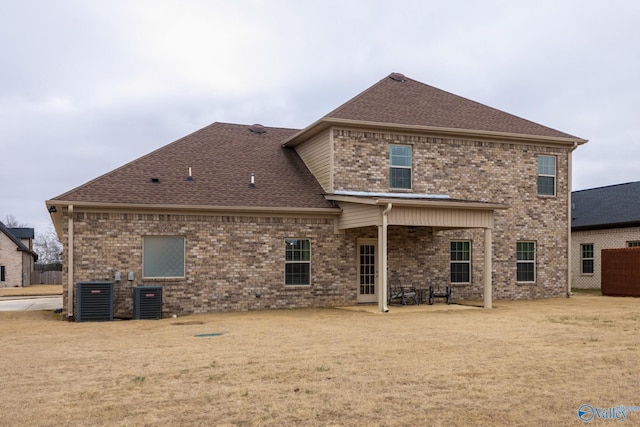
{"points": [[229, 259], [498, 172], [601, 239], [12, 260]]}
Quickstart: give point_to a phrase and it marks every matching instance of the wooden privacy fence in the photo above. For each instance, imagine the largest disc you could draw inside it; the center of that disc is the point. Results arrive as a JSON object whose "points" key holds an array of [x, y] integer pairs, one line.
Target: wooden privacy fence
{"points": [[621, 272], [46, 277]]}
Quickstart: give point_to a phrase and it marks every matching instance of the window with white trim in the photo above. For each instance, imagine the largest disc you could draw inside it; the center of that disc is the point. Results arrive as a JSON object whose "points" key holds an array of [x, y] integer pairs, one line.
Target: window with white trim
{"points": [[163, 256], [546, 175], [526, 261], [586, 255], [297, 266], [460, 265], [633, 244], [400, 162]]}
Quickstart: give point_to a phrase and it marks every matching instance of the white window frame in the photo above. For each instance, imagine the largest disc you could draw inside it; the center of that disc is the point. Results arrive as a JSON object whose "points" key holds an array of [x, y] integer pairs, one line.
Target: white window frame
{"points": [[546, 174], [392, 166], [583, 258], [525, 262], [633, 243], [467, 262], [291, 241]]}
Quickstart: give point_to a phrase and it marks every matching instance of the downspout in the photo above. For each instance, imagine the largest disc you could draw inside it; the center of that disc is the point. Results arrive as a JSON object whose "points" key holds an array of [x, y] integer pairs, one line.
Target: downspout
{"points": [[570, 214], [70, 265], [383, 260]]}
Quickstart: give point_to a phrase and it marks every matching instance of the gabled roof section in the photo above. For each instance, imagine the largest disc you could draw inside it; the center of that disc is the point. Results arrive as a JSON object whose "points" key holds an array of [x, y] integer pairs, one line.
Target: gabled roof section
{"points": [[15, 239], [221, 158], [406, 103], [23, 233], [613, 206]]}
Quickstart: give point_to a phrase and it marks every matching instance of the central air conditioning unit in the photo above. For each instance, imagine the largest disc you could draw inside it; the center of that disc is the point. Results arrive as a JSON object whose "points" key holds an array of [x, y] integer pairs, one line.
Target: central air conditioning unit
{"points": [[94, 301], [147, 302]]}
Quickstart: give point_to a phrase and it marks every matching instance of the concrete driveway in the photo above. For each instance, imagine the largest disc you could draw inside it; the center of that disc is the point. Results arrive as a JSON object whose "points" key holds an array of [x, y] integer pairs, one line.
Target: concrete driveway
{"points": [[30, 303]]}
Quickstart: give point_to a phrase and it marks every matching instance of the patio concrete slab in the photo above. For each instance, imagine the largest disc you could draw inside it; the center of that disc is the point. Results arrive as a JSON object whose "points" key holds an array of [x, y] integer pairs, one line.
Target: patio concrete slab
{"points": [[426, 308], [30, 304]]}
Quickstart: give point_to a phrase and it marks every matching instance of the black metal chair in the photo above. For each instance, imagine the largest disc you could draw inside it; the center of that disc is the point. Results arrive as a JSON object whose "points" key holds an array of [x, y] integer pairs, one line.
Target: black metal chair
{"points": [[405, 294], [447, 295]]}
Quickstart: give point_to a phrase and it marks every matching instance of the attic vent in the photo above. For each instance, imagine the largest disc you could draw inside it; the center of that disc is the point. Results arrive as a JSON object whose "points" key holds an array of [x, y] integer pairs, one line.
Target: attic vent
{"points": [[257, 128], [155, 180], [398, 77]]}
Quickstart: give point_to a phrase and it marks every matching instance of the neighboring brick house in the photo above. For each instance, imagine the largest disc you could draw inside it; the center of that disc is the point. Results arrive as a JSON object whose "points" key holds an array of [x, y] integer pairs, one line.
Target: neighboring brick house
{"points": [[17, 257], [602, 218], [404, 182]]}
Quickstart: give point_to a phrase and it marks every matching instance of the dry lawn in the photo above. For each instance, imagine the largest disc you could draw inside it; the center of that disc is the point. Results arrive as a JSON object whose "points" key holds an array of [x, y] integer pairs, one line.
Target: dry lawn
{"points": [[31, 290], [522, 363]]}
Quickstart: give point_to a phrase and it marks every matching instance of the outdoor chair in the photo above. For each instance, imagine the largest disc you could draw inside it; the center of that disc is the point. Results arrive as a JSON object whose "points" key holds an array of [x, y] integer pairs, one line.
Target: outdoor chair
{"points": [[447, 295], [404, 294]]}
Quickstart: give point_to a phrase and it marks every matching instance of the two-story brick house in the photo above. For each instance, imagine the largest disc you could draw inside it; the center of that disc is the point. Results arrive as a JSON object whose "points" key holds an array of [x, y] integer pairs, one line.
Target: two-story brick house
{"points": [[403, 182]]}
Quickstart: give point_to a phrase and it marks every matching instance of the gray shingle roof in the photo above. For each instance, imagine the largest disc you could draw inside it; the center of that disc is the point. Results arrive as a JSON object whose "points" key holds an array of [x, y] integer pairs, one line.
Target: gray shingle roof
{"points": [[221, 157], [613, 206], [23, 233], [410, 102]]}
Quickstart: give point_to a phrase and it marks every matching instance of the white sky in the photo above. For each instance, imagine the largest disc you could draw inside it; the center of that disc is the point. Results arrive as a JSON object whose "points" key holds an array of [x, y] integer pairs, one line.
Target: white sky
{"points": [[87, 86]]}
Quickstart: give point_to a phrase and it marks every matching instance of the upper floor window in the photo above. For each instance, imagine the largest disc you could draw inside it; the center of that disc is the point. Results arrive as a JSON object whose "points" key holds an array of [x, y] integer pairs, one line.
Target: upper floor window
{"points": [[546, 175], [526, 261], [586, 253], [400, 166], [297, 265], [633, 244]]}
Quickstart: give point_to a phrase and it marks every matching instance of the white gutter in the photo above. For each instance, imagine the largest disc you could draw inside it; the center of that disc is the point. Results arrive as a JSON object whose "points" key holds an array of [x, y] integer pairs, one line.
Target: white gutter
{"points": [[70, 265], [570, 214], [386, 194], [382, 236]]}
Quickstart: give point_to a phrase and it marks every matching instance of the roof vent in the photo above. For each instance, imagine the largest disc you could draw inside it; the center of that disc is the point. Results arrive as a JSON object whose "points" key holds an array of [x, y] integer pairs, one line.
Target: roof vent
{"points": [[257, 128], [398, 77]]}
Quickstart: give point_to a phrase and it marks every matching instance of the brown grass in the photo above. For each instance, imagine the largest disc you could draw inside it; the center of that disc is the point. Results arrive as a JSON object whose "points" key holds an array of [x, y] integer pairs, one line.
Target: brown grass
{"points": [[522, 363], [32, 290]]}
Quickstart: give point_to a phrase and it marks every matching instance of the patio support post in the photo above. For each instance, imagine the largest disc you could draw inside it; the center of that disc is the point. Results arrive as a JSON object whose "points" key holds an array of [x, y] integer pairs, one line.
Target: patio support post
{"points": [[488, 267], [382, 244]]}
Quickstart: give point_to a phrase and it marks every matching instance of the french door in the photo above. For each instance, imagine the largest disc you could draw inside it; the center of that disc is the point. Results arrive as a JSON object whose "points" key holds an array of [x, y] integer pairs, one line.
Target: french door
{"points": [[367, 270]]}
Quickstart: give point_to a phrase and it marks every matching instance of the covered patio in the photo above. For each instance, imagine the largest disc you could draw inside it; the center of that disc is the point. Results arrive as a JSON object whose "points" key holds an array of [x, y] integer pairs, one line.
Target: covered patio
{"points": [[437, 212]]}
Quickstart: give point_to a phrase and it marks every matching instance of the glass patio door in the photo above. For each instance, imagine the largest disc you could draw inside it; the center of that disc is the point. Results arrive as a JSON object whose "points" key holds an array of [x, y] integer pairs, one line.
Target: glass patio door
{"points": [[367, 271]]}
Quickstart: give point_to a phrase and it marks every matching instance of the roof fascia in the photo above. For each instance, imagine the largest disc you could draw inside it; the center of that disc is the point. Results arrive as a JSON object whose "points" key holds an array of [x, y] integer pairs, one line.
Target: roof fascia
{"points": [[95, 206], [325, 123], [421, 203], [606, 226]]}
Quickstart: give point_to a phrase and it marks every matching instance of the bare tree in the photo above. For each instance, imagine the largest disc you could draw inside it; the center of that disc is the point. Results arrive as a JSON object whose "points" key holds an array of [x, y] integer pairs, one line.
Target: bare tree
{"points": [[48, 247], [45, 243], [11, 222]]}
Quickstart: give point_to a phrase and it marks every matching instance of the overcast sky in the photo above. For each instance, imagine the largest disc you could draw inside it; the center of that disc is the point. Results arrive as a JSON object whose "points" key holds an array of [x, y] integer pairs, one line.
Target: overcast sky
{"points": [[87, 86]]}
